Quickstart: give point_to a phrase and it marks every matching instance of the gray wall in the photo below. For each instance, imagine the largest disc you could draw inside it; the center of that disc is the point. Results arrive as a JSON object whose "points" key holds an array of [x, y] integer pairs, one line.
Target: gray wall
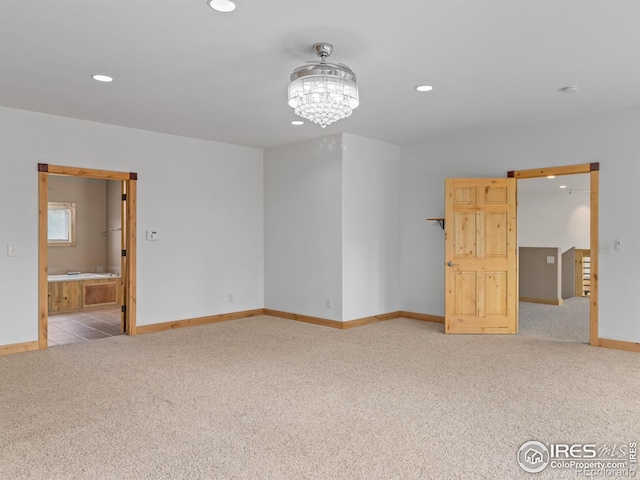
{"points": [[569, 273], [538, 279], [90, 197]]}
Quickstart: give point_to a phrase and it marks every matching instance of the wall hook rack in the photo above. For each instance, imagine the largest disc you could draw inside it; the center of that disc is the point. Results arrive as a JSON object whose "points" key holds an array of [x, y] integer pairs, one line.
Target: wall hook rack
{"points": [[439, 220]]}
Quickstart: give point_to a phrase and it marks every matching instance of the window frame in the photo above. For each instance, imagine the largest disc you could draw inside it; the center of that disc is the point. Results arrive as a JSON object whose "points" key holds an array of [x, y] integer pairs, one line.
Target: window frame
{"points": [[71, 207]]}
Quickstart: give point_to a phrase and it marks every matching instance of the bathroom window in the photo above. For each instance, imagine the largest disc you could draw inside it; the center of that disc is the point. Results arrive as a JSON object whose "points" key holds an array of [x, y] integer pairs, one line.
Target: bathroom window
{"points": [[62, 224]]}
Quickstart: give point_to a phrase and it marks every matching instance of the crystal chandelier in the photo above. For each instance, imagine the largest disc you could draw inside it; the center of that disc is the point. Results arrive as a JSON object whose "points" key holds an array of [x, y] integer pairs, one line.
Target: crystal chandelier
{"points": [[323, 92]]}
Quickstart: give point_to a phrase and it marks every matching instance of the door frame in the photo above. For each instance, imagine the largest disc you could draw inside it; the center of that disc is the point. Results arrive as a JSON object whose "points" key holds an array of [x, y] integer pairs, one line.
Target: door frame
{"points": [[593, 169], [129, 221]]}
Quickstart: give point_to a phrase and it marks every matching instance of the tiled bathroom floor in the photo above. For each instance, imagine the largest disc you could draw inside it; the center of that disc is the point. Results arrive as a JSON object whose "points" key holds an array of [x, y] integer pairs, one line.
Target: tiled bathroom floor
{"points": [[84, 326]]}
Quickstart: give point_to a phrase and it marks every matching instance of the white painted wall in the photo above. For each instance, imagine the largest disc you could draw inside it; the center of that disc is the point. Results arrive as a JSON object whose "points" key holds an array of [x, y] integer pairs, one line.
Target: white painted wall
{"points": [[303, 227], [205, 198], [332, 227], [553, 219], [370, 227], [610, 138]]}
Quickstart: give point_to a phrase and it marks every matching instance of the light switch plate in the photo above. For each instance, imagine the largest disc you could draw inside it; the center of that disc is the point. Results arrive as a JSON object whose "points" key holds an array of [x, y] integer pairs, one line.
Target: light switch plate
{"points": [[551, 259], [152, 235]]}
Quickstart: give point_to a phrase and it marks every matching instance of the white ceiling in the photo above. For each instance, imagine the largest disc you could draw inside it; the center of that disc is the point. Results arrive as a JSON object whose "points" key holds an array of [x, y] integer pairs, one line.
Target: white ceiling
{"points": [[574, 184], [182, 68]]}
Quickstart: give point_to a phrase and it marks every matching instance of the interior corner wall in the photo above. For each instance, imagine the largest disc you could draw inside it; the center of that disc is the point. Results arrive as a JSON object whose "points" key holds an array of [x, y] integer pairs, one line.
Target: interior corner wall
{"points": [[303, 227], [370, 227], [204, 198], [610, 138]]}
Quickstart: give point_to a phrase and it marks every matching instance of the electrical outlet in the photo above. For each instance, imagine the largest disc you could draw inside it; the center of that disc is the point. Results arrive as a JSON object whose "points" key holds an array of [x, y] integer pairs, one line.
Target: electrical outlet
{"points": [[329, 303], [230, 298]]}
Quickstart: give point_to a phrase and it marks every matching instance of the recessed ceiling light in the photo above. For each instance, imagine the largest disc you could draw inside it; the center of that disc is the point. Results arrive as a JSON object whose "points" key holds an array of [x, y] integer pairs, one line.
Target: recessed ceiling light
{"points": [[102, 78], [563, 186], [551, 176], [569, 89], [224, 6], [297, 122], [424, 88]]}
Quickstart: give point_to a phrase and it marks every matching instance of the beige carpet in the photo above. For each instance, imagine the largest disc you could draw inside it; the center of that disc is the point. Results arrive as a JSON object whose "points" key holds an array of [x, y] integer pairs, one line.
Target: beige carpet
{"points": [[266, 398], [568, 322]]}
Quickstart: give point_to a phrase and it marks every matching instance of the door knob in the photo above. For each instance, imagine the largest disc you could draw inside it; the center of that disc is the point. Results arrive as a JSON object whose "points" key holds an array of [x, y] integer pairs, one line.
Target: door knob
{"points": [[450, 263]]}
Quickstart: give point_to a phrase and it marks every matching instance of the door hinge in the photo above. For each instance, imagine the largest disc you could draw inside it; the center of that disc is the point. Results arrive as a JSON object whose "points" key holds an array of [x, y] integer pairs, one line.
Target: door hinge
{"points": [[123, 308], [124, 197], [124, 253]]}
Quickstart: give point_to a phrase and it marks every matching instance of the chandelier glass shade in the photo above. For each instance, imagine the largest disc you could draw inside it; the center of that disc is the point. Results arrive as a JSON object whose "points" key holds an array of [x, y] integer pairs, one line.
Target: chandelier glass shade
{"points": [[323, 92]]}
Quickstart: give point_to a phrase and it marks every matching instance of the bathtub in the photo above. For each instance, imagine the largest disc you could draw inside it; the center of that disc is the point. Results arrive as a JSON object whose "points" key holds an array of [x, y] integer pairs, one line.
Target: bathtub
{"points": [[83, 290], [79, 276]]}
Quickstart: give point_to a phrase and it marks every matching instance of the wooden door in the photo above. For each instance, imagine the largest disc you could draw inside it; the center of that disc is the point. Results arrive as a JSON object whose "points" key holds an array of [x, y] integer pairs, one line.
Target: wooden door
{"points": [[481, 277]]}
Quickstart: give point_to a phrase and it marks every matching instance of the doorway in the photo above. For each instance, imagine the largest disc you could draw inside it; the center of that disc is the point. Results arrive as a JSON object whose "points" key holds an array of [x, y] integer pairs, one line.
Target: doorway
{"points": [[593, 169], [95, 290], [553, 257]]}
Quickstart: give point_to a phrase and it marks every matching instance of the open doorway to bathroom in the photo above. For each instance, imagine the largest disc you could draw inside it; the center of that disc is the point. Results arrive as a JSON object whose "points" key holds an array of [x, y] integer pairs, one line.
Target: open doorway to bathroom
{"points": [[84, 281], [87, 258]]}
